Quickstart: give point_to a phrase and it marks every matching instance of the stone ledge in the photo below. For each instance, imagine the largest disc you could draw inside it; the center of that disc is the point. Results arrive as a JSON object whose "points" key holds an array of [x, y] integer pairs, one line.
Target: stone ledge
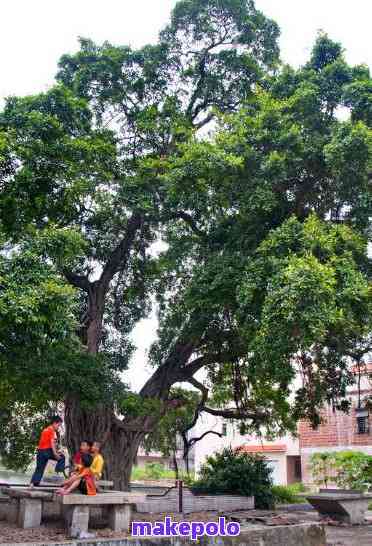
{"points": [[306, 534]]}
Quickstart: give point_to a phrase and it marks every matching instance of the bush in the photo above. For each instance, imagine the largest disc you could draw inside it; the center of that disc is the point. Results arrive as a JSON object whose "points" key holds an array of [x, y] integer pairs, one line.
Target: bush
{"points": [[151, 471], [237, 473], [322, 466], [288, 494], [347, 469], [353, 470], [154, 471]]}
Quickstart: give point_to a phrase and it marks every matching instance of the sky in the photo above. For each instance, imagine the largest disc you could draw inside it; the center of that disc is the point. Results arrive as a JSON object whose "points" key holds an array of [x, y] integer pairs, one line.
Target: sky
{"points": [[35, 33]]}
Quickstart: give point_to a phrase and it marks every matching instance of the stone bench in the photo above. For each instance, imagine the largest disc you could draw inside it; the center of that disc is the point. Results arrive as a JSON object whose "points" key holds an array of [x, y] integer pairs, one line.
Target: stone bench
{"points": [[348, 507], [118, 506], [51, 485], [26, 505]]}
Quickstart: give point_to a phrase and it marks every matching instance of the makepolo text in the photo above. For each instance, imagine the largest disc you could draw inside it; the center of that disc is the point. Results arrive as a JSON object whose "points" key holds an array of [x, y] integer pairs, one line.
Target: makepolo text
{"points": [[192, 529]]}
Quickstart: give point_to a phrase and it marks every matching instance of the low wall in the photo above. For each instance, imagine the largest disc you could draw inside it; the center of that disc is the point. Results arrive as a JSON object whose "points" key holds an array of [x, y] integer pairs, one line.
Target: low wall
{"points": [[305, 534], [168, 502], [147, 489], [4, 506]]}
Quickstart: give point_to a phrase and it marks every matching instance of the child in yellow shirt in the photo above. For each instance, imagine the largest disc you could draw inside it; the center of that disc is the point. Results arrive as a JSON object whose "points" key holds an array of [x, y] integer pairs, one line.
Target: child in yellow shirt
{"points": [[98, 461]]}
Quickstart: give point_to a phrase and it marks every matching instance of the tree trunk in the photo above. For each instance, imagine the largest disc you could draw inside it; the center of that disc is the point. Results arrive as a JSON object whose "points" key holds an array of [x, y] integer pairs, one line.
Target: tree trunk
{"points": [[120, 439], [120, 454], [119, 446]]}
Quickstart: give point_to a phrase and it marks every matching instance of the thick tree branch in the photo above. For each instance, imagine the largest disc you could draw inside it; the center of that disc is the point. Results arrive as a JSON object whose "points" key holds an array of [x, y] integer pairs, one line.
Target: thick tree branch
{"points": [[79, 281], [204, 121], [198, 89], [119, 257], [188, 220], [237, 414], [186, 372], [168, 373], [203, 389], [193, 441]]}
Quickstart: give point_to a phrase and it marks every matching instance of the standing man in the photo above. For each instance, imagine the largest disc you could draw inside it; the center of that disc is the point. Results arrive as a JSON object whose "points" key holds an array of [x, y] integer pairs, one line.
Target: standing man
{"points": [[47, 449]]}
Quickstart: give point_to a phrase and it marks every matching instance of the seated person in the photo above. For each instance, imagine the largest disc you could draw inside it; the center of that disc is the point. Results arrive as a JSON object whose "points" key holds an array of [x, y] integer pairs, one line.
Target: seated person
{"points": [[85, 447], [98, 462], [83, 480]]}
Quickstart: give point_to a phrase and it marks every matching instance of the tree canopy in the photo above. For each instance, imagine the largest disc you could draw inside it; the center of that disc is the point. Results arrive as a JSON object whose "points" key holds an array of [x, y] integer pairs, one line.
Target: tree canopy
{"points": [[265, 220]]}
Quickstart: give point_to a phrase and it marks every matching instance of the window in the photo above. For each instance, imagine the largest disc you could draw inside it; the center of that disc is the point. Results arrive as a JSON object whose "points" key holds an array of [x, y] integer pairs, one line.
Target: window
{"points": [[362, 415], [297, 468], [362, 425], [224, 429]]}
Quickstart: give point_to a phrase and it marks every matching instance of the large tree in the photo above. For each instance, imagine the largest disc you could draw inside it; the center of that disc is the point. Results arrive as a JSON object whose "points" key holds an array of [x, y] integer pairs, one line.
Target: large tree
{"points": [[79, 166], [265, 222]]}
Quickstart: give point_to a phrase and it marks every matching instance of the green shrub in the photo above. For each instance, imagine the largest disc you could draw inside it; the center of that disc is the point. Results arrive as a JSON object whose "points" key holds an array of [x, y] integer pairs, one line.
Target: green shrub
{"points": [[154, 471], [322, 467], [151, 471], [237, 473], [347, 469], [288, 494], [353, 470]]}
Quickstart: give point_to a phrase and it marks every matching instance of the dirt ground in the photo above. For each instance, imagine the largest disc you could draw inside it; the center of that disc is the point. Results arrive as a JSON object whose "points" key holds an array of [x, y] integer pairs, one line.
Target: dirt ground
{"points": [[53, 530]]}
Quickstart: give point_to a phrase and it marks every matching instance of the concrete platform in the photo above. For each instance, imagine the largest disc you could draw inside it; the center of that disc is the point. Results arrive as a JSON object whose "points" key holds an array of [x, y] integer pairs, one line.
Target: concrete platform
{"points": [[345, 507], [118, 504]]}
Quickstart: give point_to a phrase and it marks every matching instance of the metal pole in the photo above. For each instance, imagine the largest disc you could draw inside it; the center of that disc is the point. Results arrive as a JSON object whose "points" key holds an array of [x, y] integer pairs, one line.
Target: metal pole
{"points": [[180, 496]]}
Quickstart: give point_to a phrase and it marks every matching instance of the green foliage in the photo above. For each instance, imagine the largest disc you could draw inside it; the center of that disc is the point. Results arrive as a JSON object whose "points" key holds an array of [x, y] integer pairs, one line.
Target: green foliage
{"points": [[152, 471], [325, 52], [36, 311], [237, 473], [278, 279], [166, 435], [347, 469], [353, 470], [305, 282], [322, 467], [288, 494], [20, 427], [266, 222]]}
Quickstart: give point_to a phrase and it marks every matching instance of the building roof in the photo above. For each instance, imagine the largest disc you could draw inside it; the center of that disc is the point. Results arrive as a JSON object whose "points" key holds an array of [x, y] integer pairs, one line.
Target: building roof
{"points": [[275, 448]]}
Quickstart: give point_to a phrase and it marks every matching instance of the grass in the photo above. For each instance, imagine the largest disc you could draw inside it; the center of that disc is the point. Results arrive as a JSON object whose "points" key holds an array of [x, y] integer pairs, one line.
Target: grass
{"points": [[154, 471]]}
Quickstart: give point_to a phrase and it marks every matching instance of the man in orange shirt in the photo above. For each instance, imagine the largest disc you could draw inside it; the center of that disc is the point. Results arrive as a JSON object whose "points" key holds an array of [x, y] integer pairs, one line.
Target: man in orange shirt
{"points": [[47, 450]]}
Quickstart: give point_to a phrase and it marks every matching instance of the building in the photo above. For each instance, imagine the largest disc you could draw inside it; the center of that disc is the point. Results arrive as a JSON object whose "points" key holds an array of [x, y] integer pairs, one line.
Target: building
{"points": [[288, 456], [283, 454], [340, 431]]}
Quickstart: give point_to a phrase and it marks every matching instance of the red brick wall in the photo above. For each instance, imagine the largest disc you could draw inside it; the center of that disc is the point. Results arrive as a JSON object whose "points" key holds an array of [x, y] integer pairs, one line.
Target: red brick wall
{"points": [[339, 430]]}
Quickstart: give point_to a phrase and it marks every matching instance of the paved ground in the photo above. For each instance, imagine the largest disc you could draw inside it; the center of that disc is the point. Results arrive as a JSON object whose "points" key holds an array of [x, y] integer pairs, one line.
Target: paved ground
{"points": [[354, 536], [359, 535]]}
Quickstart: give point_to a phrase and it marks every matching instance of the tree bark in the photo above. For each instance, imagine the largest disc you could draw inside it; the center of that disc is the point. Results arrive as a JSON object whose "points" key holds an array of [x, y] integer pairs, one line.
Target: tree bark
{"points": [[120, 439], [119, 446]]}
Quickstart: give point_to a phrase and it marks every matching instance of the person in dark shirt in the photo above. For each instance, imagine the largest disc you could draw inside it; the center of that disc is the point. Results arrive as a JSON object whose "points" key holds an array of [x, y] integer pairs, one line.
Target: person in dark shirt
{"points": [[85, 447]]}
